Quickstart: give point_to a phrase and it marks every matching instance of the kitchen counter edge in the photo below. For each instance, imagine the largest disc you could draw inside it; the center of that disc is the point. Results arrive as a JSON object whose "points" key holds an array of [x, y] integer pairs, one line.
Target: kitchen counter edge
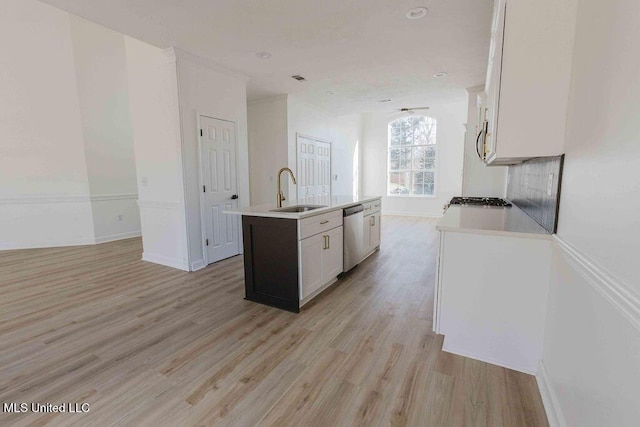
{"points": [[266, 209]]}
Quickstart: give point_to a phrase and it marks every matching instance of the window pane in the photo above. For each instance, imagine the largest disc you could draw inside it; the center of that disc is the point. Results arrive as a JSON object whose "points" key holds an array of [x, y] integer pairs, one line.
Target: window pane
{"points": [[424, 158], [399, 182], [399, 159], [400, 133], [418, 183], [429, 183]]}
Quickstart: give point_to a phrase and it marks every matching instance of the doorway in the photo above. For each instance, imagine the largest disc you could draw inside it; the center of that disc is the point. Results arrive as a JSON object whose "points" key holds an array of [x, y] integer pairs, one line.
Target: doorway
{"points": [[218, 169]]}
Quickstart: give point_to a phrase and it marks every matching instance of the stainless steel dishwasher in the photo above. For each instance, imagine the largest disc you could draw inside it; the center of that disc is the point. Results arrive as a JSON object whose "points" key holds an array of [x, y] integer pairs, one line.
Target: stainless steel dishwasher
{"points": [[353, 236]]}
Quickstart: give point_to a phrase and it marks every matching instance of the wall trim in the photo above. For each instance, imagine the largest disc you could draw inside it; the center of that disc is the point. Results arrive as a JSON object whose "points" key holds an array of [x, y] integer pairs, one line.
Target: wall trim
{"points": [[166, 261], [158, 204], [49, 244], [419, 215], [549, 398], [198, 265], [174, 54], [110, 197], [618, 293], [117, 236], [62, 198]]}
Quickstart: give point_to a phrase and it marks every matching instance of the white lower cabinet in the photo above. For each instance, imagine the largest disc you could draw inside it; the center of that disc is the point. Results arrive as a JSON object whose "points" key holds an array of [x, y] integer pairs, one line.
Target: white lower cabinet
{"points": [[490, 300], [371, 232], [320, 260]]}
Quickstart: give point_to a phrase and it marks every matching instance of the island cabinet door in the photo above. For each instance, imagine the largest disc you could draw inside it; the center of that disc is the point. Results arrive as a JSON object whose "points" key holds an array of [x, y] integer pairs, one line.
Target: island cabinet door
{"points": [[332, 261], [311, 251], [374, 236], [321, 260]]}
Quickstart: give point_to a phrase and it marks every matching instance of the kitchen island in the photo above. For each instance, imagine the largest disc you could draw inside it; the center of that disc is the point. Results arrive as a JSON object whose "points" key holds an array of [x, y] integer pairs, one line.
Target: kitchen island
{"points": [[491, 285], [293, 253]]}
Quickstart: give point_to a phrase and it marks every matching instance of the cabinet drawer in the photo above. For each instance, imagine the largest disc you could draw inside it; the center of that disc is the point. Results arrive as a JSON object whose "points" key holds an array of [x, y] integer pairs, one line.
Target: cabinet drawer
{"points": [[320, 223], [371, 207]]}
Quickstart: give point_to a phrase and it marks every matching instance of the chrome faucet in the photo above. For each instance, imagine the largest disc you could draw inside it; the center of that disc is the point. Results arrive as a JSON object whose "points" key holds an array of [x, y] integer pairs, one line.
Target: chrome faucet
{"points": [[280, 195]]}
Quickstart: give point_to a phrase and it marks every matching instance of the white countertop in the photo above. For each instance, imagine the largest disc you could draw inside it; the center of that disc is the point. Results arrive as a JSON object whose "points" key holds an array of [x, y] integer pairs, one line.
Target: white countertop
{"points": [[332, 204], [491, 220]]}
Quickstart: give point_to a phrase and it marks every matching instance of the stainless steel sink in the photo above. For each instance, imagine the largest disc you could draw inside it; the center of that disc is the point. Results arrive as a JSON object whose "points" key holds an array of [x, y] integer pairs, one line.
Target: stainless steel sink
{"points": [[298, 208]]}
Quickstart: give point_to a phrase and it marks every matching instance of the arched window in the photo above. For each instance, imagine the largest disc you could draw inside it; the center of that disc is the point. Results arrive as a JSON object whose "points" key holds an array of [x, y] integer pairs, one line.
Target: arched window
{"points": [[412, 156]]}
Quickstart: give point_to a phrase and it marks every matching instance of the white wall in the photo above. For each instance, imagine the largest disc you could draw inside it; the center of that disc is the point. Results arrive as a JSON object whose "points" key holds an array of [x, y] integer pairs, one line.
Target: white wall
{"points": [[207, 89], [592, 345], [478, 179], [344, 133], [450, 139], [101, 74], [44, 188], [268, 146], [153, 96], [67, 175]]}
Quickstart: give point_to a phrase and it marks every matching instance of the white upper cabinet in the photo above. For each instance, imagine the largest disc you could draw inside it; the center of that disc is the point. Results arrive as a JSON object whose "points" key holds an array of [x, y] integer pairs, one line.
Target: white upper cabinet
{"points": [[528, 80]]}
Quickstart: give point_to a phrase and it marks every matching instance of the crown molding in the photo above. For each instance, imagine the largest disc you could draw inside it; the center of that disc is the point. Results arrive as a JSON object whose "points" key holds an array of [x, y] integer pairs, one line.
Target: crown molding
{"points": [[175, 54]]}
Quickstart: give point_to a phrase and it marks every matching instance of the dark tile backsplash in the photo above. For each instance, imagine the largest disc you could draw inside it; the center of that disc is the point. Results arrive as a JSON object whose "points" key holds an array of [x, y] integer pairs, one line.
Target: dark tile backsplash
{"points": [[529, 189]]}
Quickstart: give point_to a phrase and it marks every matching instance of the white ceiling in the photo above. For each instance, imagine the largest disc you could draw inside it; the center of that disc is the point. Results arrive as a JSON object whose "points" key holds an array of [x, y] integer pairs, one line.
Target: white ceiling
{"points": [[362, 50]]}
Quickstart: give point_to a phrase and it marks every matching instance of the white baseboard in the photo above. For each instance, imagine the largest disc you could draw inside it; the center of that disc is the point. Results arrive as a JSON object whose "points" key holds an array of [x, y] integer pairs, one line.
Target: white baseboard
{"points": [[418, 215], [167, 261], [198, 265], [48, 244], [549, 399], [482, 358], [118, 236]]}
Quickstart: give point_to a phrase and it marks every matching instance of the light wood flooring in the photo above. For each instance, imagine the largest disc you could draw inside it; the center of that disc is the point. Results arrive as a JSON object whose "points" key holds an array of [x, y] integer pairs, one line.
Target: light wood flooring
{"points": [[147, 345]]}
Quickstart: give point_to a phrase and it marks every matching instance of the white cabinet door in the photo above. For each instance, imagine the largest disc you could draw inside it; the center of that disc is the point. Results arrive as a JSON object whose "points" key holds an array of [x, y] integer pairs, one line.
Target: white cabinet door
{"points": [[374, 238], [311, 250], [332, 254], [371, 232], [527, 104], [320, 259], [492, 87], [366, 235]]}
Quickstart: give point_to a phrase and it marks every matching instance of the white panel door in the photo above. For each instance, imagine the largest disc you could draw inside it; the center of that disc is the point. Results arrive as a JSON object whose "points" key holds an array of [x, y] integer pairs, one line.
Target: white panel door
{"points": [[219, 188], [306, 170], [314, 170], [323, 168]]}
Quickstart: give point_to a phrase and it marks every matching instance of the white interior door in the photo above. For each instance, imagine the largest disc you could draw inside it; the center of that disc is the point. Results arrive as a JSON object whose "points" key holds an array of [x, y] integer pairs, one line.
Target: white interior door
{"points": [[314, 170], [323, 168], [219, 188], [306, 169]]}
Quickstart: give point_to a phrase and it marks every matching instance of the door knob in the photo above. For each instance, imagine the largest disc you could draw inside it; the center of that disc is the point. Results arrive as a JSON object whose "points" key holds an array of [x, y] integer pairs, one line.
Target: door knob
{"points": [[235, 196]]}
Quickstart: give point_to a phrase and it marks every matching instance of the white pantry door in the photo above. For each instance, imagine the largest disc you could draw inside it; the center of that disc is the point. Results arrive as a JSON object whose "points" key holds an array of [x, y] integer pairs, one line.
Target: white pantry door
{"points": [[219, 188]]}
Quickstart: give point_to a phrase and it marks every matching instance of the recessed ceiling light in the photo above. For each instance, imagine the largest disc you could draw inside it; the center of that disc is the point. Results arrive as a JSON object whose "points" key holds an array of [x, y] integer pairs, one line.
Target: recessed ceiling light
{"points": [[440, 75], [263, 55], [329, 92], [417, 13]]}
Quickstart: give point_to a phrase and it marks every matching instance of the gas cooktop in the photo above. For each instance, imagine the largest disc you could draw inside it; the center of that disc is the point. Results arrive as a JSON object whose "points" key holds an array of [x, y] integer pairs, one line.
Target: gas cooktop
{"points": [[481, 201]]}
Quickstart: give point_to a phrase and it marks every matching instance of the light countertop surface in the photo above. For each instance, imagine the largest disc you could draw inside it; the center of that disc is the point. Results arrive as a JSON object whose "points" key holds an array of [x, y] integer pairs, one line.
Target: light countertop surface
{"points": [[491, 220], [332, 204]]}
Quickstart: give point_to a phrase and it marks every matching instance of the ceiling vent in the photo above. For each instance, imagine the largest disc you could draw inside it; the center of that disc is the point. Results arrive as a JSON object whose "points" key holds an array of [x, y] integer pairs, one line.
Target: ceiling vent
{"points": [[299, 78]]}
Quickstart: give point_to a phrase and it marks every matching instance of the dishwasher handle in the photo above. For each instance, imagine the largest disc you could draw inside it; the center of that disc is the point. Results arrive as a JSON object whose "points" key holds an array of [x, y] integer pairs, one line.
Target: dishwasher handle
{"points": [[352, 210]]}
